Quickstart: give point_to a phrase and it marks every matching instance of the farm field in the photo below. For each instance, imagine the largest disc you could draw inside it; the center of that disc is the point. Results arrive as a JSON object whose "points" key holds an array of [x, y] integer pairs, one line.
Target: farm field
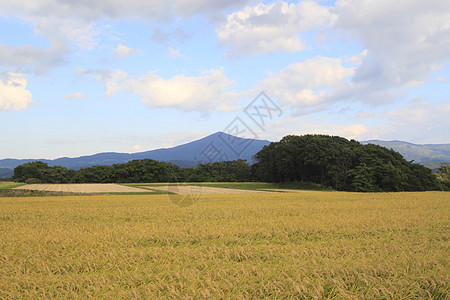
{"points": [[188, 189], [308, 245], [9, 185], [261, 186], [182, 189], [82, 188]]}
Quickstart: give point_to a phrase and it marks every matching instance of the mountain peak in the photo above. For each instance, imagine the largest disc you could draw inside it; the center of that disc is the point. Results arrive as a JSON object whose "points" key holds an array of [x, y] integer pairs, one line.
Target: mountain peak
{"points": [[218, 146]]}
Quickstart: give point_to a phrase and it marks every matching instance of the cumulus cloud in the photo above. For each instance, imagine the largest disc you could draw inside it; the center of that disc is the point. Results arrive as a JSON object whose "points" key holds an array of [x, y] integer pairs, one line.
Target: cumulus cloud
{"points": [[267, 28], [124, 51], [306, 84], [63, 37], [212, 9], [13, 92], [92, 11], [208, 92], [357, 60], [422, 112], [84, 36], [419, 121], [173, 52], [405, 40], [28, 58], [72, 24], [88, 11], [303, 125], [75, 96]]}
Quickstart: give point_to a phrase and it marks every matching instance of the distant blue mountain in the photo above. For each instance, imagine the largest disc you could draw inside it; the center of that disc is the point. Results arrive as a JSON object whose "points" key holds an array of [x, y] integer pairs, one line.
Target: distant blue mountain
{"points": [[216, 147], [6, 172], [421, 154]]}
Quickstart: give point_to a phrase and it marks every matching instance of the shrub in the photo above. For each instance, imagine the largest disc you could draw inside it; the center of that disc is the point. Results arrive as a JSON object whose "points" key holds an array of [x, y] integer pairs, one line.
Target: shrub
{"points": [[32, 181]]}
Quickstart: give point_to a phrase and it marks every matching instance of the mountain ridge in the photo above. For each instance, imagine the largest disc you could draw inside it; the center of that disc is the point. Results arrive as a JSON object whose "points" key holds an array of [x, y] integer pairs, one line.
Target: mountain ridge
{"points": [[227, 147], [419, 153], [189, 154]]}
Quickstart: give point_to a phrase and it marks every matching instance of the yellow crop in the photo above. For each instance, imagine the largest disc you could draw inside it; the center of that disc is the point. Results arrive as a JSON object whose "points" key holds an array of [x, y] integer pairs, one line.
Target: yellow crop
{"points": [[276, 245]]}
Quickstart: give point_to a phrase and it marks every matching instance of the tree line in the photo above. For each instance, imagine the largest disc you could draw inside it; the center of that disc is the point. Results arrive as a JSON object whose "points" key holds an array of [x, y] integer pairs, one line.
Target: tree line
{"points": [[135, 171], [329, 161]]}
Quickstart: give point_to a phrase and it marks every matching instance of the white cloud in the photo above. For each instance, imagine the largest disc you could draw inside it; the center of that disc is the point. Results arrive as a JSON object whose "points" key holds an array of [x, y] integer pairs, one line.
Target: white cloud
{"points": [[418, 121], [27, 58], [306, 84], [61, 141], [356, 131], [75, 96], [92, 11], [71, 25], [212, 9], [13, 92], [302, 126], [357, 60], [88, 11], [114, 82], [136, 148], [423, 113], [85, 37], [273, 27], [173, 52], [364, 115], [208, 92], [406, 41], [124, 51], [63, 36], [441, 79]]}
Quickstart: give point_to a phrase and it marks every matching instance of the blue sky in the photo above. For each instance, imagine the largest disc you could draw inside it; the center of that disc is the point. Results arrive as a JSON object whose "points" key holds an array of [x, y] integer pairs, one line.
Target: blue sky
{"points": [[84, 77]]}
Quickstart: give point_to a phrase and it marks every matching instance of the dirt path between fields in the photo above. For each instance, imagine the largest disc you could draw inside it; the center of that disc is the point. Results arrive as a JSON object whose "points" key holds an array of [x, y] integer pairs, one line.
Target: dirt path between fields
{"points": [[288, 190], [193, 189], [82, 188]]}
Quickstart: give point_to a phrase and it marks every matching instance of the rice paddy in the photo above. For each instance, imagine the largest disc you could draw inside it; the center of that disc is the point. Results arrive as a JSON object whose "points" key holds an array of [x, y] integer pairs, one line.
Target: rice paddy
{"points": [[309, 245]]}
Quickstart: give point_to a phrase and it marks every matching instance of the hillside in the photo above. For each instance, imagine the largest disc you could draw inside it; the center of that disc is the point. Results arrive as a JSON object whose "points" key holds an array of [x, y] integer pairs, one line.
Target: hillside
{"points": [[437, 153], [216, 147], [4, 172]]}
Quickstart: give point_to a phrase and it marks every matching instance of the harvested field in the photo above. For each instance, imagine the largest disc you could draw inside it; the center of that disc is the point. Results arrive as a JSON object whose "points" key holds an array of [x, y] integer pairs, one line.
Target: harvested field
{"points": [[288, 190], [189, 189], [82, 188], [116, 188]]}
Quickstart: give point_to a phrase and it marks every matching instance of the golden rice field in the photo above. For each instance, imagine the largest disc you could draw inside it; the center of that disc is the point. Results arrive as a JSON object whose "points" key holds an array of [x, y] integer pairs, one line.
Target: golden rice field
{"points": [[309, 245]]}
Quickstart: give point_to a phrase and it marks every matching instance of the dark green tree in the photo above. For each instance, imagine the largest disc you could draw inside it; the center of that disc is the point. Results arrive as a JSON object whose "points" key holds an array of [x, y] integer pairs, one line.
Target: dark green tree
{"points": [[339, 163], [29, 170]]}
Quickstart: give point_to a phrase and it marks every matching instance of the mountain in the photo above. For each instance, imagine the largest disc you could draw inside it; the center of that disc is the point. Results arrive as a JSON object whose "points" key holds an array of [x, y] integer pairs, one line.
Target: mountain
{"points": [[422, 154], [216, 147], [4, 172], [434, 166]]}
